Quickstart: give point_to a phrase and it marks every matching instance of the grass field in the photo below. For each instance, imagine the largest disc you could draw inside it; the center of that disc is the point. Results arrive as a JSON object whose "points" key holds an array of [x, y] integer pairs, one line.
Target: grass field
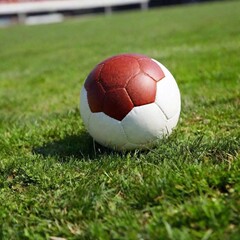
{"points": [[52, 180]]}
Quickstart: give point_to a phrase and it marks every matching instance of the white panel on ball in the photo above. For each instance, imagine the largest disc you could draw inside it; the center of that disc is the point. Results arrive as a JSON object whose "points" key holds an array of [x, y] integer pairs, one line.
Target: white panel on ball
{"points": [[106, 130], [172, 122], [144, 124], [168, 95], [84, 107]]}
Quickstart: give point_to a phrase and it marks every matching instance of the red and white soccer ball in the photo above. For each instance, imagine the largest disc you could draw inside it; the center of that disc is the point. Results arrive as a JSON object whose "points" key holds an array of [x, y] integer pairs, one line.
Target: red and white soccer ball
{"points": [[130, 101]]}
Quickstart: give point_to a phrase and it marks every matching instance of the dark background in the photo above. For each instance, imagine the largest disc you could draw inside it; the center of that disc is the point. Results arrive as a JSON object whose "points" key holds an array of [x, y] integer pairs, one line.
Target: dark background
{"points": [[152, 3], [172, 2]]}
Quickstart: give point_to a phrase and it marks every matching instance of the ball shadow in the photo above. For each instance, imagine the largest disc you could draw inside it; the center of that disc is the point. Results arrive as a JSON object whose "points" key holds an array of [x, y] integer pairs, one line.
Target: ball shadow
{"points": [[81, 147]]}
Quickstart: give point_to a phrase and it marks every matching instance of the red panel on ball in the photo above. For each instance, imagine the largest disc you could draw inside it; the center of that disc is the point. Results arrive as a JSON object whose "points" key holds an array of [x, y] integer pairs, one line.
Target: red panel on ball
{"points": [[117, 103], [142, 89], [93, 77], [95, 95], [121, 82], [151, 68], [117, 71]]}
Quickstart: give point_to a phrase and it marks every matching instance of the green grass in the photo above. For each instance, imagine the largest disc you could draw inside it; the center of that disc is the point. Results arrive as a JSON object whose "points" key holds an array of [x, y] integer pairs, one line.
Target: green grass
{"points": [[52, 180]]}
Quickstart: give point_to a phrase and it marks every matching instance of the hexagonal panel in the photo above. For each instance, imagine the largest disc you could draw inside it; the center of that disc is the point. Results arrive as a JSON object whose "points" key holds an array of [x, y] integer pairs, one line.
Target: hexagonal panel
{"points": [[168, 94], [93, 76], [141, 89], [106, 131], [145, 124], [172, 122], [117, 103], [117, 71], [95, 95], [151, 68]]}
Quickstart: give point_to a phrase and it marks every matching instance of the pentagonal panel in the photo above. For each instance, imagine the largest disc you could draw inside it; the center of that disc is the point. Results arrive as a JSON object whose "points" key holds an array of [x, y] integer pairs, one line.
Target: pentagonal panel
{"points": [[84, 107], [93, 77], [117, 104], [151, 68], [117, 71], [168, 95], [106, 131], [95, 96], [141, 89], [144, 124]]}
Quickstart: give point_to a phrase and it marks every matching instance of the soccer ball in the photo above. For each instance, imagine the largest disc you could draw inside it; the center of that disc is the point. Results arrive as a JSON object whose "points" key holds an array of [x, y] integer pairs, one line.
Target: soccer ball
{"points": [[129, 101]]}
